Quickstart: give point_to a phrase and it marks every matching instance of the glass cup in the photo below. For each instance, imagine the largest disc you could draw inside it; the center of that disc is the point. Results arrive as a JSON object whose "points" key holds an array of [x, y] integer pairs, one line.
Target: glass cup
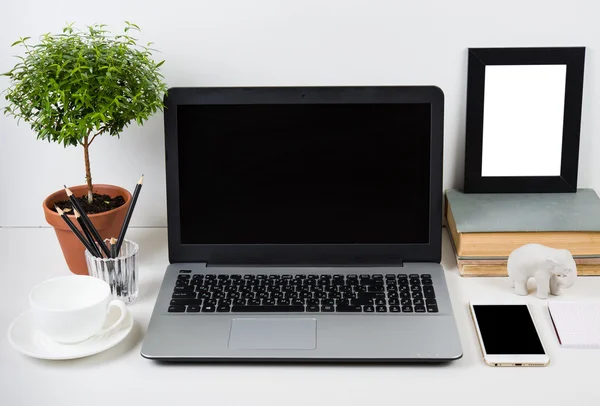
{"points": [[121, 273]]}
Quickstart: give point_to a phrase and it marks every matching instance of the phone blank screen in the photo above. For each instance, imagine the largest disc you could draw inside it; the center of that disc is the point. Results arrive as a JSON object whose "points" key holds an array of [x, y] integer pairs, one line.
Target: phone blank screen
{"points": [[507, 329]]}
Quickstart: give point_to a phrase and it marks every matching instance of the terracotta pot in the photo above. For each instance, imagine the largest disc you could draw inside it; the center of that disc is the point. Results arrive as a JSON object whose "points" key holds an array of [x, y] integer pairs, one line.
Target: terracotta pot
{"points": [[108, 223]]}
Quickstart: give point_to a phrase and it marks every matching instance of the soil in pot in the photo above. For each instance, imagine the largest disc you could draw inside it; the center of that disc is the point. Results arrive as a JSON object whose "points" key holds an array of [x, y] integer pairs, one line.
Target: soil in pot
{"points": [[100, 204]]}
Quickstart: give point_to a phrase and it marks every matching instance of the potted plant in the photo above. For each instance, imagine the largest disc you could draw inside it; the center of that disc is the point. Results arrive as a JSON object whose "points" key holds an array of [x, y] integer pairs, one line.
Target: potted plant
{"points": [[72, 87]]}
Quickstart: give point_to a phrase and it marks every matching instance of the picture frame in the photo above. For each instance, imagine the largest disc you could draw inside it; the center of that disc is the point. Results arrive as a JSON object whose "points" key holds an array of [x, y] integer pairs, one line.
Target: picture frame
{"points": [[523, 119]]}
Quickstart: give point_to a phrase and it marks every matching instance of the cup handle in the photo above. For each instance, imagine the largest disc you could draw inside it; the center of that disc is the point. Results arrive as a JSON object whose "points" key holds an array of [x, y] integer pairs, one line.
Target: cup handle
{"points": [[123, 309]]}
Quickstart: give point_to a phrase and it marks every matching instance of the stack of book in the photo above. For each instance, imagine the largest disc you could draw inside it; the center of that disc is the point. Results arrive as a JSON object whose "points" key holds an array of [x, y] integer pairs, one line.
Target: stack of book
{"points": [[486, 228]]}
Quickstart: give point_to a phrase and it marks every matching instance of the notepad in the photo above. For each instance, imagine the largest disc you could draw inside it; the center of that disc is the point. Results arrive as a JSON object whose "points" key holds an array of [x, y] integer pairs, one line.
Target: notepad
{"points": [[577, 324]]}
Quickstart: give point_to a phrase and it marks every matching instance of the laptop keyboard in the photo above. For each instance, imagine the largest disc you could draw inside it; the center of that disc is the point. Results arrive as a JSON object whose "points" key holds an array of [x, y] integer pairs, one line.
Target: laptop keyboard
{"points": [[376, 293]]}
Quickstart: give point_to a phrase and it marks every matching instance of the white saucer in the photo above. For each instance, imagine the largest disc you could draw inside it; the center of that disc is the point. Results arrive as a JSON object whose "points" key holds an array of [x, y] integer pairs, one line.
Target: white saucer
{"points": [[27, 339]]}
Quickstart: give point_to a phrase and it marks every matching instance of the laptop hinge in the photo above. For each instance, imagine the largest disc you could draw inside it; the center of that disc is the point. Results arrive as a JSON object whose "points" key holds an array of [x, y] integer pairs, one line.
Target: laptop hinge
{"points": [[396, 262]]}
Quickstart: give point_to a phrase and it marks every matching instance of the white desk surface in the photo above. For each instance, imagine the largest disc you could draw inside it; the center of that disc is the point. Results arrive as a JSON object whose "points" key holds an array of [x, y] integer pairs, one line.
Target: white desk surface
{"points": [[120, 376]]}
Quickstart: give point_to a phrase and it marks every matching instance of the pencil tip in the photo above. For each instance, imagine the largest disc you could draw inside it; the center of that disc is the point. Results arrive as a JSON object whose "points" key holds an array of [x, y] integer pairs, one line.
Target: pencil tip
{"points": [[58, 210], [69, 193], [141, 180], [76, 213], [113, 240]]}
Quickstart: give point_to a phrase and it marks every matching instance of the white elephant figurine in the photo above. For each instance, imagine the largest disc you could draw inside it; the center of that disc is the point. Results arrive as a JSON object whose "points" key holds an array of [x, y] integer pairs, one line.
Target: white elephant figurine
{"points": [[551, 268]]}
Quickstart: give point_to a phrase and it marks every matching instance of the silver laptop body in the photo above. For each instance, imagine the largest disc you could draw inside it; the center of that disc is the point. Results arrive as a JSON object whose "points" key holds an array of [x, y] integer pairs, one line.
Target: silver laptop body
{"points": [[304, 226]]}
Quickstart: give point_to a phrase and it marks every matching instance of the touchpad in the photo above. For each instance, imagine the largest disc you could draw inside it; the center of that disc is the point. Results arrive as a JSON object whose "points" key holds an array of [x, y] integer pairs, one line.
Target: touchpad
{"points": [[273, 334]]}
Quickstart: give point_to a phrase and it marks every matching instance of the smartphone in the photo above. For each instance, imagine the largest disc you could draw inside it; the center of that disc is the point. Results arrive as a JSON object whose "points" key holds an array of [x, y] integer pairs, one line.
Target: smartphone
{"points": [[508, 335]]}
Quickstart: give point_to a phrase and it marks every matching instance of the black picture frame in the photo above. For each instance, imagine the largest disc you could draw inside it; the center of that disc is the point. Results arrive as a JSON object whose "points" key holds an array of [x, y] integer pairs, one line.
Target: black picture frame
{"points": [[478, 59]]}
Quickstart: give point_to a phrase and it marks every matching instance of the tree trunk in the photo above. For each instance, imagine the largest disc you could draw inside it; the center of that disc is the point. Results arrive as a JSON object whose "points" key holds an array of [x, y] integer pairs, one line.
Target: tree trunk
{"points": [[88, 174]]}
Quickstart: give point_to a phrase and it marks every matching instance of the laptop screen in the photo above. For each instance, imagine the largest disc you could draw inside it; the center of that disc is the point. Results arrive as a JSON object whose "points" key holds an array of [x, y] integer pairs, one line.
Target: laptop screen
{"points": [[304, 173]]}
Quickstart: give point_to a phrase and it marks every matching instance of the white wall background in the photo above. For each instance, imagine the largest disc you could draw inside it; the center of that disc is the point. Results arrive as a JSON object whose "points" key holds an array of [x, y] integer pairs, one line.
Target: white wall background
{"points": [[271, 42]]}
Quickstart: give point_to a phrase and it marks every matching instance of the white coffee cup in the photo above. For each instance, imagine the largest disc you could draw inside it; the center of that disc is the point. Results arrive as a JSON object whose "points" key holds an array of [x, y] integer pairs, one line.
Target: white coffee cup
{"points": [[71, 309]]}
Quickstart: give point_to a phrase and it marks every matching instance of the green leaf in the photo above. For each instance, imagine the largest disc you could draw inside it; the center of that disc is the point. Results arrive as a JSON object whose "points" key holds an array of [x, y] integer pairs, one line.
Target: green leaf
{"points": [[20, 41]]}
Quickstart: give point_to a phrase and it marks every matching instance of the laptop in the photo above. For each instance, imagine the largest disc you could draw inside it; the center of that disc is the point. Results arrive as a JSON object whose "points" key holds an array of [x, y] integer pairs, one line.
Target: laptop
{"points": [[304, 225]]}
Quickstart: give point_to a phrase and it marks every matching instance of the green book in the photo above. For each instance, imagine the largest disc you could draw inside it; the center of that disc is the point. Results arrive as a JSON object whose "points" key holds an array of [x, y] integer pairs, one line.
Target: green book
{"points": [[525, 212]]}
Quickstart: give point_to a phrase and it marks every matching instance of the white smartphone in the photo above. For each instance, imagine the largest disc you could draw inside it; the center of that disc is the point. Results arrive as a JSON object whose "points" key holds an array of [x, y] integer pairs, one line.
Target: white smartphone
{"points": [[508, 335]]}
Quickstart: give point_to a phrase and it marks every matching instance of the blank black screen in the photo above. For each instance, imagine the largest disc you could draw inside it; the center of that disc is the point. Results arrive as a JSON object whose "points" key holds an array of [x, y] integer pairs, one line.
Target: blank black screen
{"points": [[507, 329], [304, 173]]}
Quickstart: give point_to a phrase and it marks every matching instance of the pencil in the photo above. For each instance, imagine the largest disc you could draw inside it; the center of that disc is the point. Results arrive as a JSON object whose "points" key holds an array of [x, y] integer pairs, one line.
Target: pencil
{"points": [[74, 229], [136, 193], [89, 237], [87, 222], [113, 247]]}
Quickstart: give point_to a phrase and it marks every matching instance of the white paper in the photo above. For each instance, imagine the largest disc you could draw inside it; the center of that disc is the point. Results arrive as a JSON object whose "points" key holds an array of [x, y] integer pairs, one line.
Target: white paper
{"points": [[523, 120], [577, 323]]}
